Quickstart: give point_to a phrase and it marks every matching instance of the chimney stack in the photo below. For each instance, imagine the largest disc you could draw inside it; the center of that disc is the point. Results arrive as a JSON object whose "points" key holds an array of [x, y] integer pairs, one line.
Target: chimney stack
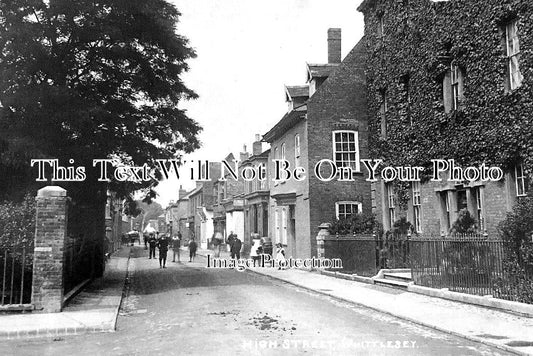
{"points": [[244, 154], [257, 146], [181, 193], [334, 45]]}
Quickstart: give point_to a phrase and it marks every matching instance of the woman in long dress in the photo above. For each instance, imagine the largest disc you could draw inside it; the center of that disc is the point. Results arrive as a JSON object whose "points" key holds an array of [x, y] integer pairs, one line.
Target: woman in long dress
{"points": [[281, 261]]}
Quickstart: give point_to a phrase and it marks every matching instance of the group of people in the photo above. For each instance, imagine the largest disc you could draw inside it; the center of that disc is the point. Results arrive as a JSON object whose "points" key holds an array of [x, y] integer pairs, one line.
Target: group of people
{"points": [[256, 249], [163, 241], [153, 241]]}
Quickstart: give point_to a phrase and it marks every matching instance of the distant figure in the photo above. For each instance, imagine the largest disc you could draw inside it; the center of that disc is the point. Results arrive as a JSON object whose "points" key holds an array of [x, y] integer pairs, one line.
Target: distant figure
{"points": [[152, 242], [236, 248], [217, 242], [280, 256], [145, 238], [162, 244], [176, 244], [192, 250], [256, 250], [230, 239]]}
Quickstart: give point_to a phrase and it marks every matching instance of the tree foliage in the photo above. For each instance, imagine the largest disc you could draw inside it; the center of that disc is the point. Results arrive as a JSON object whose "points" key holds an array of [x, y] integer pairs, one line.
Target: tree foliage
{"points": [[517, 233], [93, 79], [17, 223], [465, 223], [363, 223]]}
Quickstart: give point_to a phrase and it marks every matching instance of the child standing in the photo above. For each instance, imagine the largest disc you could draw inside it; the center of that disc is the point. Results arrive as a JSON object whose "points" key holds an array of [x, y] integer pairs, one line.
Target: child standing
{"points": [[280, 256], [176, 244]]}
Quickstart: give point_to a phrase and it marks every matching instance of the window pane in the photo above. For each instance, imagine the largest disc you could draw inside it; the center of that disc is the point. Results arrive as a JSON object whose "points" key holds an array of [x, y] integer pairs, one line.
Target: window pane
{"points": [[512, 38], [516, 76]]}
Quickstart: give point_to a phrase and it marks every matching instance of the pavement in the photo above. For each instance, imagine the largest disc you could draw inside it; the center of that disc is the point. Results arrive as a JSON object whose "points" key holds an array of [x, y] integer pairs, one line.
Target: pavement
{"points": [[95, 309], [496, 328]]}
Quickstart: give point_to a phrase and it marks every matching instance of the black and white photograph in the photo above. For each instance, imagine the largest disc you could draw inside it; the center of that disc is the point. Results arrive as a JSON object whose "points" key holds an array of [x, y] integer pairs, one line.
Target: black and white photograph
{"points": [[291, 177]]}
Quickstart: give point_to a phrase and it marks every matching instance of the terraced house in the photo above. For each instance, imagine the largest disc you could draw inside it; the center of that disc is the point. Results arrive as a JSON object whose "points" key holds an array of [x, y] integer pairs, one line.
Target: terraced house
{"points": [[450, 80], [326, 120]]}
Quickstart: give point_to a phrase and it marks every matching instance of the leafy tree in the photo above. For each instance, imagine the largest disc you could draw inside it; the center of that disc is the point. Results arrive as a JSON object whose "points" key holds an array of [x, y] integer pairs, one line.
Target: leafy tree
{"points": [[517, 231], [147, 213], [92, 79]]}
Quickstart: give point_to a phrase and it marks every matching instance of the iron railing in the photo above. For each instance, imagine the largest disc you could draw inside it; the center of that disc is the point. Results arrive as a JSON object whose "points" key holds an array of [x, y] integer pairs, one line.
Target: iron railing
{"points": [[463, 263], [466, 263], [78, 265], [16, 267]]}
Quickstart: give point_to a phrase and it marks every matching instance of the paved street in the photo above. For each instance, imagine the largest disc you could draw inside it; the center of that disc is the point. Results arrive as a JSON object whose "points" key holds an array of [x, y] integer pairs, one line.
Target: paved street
{"points": [[187, 309]]}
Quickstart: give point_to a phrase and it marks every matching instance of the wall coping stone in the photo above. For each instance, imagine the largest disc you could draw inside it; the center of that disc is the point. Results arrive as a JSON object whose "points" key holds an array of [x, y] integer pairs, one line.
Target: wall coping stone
{"points": [[51, 191]]}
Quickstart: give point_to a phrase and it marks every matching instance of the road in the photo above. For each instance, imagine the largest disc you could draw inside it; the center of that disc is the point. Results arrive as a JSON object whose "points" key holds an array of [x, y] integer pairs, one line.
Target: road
{"points": [[187, 309]]}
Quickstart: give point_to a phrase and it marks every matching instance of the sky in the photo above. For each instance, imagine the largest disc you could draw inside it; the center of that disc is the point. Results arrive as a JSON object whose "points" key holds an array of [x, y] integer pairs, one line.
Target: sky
{"points": [[247, 50]]}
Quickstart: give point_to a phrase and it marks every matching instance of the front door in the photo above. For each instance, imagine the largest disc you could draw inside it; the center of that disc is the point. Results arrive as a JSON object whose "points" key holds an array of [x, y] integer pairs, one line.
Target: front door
{"points": [[292, 229]]}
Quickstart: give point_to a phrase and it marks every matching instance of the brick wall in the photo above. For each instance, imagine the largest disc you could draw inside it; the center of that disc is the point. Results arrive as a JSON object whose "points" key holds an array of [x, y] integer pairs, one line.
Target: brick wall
{"points": [[49, 252], [339, 104], [496, 203]]}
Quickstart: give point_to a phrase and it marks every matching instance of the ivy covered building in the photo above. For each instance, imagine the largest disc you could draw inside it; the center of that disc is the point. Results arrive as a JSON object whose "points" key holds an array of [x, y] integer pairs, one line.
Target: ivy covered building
{"points": [[450, 80]]}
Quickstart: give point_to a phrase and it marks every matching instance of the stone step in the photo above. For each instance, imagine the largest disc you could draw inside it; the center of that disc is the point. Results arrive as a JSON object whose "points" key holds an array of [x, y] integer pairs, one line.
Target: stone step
{"points": [[391, 283], [401, 277]]}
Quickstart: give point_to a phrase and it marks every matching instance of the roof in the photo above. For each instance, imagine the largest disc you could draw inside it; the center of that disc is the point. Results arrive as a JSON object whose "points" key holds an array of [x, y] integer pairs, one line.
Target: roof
{"points": [[229, 158], [320, 70], [364, 5], [262, 155], [296, 91], [287, 121], [191, 193]]}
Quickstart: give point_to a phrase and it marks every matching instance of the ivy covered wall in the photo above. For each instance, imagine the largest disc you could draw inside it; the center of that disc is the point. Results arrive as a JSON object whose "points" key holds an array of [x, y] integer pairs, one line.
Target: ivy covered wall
{"points": [[408, 61]]}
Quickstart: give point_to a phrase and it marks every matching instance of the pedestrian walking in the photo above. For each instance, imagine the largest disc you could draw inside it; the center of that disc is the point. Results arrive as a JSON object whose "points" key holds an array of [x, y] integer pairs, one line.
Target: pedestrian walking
{"points": [[145, 238], [176, 244], [192, 250], [162, 244], [280, 256], [236, 248], [230, 239], [152, 242]]}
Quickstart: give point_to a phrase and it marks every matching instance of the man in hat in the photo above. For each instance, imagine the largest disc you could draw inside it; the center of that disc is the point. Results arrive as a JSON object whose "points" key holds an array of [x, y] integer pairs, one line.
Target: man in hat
{"points": [[162, 244]]}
